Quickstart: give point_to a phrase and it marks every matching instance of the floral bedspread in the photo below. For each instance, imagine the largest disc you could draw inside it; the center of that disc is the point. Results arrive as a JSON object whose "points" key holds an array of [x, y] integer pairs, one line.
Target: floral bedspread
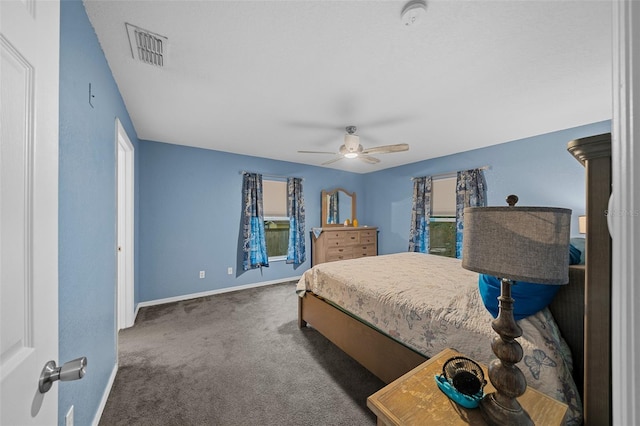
{"points": [[430, 303]]}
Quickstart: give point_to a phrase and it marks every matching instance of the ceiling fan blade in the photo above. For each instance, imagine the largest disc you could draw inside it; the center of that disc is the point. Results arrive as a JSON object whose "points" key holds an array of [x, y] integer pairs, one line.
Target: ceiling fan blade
{"points": [[387, 149], [317, 152], [326, 163], [368, 159]]}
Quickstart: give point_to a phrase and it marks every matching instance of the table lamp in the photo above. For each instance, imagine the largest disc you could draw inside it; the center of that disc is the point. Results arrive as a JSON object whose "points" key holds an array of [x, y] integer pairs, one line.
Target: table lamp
{"points": [[528, 244]]}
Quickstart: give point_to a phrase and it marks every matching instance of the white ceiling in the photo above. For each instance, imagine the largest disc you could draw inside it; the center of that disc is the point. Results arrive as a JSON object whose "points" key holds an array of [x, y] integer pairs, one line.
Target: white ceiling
{"points": [[269, 78]]}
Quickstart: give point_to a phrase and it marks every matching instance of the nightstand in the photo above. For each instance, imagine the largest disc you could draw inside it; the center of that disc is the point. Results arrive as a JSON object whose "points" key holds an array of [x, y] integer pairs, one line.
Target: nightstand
{"points": [[415, 399]]}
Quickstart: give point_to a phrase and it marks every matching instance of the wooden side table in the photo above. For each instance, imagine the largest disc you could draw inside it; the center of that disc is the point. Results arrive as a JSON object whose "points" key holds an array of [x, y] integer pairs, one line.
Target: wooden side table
{"points": [[415, 399]]}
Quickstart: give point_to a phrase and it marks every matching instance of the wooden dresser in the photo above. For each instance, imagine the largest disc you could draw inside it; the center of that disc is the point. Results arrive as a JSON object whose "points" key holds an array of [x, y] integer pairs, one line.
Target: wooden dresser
{"points": [[341, 243]]}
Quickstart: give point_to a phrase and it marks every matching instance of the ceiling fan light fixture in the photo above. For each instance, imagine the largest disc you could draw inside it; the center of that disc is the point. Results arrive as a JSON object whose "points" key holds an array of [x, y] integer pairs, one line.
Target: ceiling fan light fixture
{"points": [[353, 149], [351, 141]]}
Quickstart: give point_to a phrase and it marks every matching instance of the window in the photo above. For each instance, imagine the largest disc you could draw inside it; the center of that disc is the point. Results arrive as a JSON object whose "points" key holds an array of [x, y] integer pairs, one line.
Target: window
{"points": [[442, 222], [276, 221]]}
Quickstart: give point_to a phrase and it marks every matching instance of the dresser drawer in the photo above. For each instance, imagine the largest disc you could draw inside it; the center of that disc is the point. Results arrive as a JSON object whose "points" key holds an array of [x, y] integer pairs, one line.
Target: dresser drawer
{"points": [[365, 250], [337, 239], [369, 233], [368, 239], [352, 237], [339, 253]]}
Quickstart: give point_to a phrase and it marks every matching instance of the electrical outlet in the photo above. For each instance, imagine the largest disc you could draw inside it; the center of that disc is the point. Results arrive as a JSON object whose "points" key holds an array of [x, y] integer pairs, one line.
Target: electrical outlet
{"points": [[230, 270], [68, 419], [201, 274]]}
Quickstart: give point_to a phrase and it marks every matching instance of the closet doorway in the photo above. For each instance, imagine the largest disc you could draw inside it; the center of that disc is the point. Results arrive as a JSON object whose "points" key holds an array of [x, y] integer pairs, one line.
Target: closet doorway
{"points": [[125, 226]]}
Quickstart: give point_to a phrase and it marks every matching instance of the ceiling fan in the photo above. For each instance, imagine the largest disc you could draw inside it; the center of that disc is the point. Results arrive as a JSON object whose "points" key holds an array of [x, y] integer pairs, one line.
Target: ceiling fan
{"points": [[353, 149]]}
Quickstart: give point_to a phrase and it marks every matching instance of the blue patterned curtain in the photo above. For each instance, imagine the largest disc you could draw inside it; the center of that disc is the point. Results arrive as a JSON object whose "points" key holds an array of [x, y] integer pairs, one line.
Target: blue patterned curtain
{"points": [[254, 246], [471, 191], [295, 211], [419, 232]]}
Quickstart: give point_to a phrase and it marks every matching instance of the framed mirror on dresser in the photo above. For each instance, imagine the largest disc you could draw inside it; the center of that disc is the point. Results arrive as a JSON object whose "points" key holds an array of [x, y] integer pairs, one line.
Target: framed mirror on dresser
{"points": [[338, 206], [337, 238]]}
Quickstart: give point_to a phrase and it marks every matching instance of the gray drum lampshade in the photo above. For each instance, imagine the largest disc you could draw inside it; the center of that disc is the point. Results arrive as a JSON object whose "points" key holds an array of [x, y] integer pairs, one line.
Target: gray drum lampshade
{"points": [[518, 243]]}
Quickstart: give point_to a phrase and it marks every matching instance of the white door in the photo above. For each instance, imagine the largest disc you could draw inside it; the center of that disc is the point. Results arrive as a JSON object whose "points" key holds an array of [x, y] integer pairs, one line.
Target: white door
{"points": [[29, 48], [125, 227]]}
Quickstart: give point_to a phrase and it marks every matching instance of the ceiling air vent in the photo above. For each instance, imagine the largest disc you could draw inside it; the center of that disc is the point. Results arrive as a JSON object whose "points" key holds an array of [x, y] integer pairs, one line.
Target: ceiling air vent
{"points": [[148, 47]]}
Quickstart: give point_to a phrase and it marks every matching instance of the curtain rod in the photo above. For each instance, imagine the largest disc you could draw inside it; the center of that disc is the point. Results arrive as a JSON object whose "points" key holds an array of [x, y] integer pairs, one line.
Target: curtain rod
{"points": [[270, 176], [452, 174]]}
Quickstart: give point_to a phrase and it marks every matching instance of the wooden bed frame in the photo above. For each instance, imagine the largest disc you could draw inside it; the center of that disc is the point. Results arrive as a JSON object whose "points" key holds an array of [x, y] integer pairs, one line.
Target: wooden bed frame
{"points": [[377, 352], [388, 359], [594, 153]]}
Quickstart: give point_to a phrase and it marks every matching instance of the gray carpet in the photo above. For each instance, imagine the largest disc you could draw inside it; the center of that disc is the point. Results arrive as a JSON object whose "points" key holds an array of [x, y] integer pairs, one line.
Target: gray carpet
{"points": [[235, 359]]}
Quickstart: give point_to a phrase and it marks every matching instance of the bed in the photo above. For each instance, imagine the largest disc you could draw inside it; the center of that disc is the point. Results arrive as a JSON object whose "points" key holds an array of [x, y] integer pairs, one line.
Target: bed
{"points": [[393, 312]]}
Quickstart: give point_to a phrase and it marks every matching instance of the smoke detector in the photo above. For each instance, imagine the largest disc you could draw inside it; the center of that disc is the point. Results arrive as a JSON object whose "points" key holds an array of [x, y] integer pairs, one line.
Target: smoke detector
{"points": [[146, 46], [412, 12]]}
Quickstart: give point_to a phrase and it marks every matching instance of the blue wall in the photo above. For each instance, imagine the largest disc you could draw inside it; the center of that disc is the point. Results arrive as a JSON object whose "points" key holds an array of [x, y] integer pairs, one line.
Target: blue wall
{"points": [[190, 204], [190, 216], [537, 169], [87, 212]]}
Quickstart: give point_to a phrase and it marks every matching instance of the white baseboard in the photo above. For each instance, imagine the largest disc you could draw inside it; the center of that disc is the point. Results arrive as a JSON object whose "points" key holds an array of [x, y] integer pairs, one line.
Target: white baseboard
{"points": [[211, 292], [105, 396]]}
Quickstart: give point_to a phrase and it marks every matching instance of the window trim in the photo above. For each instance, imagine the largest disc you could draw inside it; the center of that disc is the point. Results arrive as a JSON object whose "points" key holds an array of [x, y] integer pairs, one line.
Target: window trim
{"points": [[442, 218]]}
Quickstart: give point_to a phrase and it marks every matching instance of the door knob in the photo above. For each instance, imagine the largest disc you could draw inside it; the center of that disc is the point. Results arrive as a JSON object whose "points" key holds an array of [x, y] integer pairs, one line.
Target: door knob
{"points": [[72, 370]]}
